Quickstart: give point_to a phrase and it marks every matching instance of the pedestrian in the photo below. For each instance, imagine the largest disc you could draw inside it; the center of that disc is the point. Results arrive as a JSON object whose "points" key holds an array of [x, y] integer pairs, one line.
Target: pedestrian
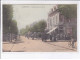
{"points": [[72, 40], [15, 37], [43, 36], [19, 36], [54, 35], [50, 37], [33, 34]]}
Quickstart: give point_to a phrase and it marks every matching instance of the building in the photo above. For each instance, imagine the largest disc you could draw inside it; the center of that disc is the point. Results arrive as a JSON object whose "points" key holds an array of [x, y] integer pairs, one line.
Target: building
{"points": [[53, 19], [59, 26], [55, 23]]}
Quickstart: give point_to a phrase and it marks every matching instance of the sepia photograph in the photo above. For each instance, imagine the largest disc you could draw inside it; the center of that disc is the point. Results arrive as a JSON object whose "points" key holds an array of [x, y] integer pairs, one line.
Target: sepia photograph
{"points": [[39, 27]]}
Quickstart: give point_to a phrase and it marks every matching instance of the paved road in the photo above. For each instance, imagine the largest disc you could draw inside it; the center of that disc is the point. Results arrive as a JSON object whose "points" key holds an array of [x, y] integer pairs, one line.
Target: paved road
{"points": [[29, 45]]}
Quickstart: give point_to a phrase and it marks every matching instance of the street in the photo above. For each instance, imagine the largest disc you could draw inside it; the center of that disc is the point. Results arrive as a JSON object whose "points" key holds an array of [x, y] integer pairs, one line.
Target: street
{"points": [[29, 45]]}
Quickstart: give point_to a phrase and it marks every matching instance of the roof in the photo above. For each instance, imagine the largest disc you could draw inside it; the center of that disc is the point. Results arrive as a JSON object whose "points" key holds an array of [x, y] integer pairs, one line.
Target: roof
{"points": [[53, 13]]}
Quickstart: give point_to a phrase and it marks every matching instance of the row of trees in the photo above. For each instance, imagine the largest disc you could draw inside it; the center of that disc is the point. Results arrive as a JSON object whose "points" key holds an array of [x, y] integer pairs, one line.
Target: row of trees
{"points": [[37, 27], [9, 25]]}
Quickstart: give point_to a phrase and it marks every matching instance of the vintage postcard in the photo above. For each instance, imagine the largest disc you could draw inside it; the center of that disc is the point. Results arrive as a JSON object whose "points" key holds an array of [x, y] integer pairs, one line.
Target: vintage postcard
{"points": [[39, 28]]}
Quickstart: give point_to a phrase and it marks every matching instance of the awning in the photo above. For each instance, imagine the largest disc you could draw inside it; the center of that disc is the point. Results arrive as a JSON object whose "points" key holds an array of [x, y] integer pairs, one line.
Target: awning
{"points": [[51, 30]]}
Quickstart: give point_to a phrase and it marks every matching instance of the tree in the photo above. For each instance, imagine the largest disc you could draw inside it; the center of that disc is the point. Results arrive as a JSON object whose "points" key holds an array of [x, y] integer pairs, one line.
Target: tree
{"points": [[22, 31], [69, 11], [39, 27], [13, 27], [7, 17], [42, 25], [9, 25]]}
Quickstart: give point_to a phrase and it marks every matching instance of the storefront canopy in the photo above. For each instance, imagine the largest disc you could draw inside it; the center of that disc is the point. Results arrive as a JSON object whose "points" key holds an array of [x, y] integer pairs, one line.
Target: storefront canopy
{"points": [[52, 30]]}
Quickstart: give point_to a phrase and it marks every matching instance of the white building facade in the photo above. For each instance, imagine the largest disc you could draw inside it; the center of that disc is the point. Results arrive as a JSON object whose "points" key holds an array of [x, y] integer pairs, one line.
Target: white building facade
{"points": [[59, 27], [53, 19], [55, 23]]}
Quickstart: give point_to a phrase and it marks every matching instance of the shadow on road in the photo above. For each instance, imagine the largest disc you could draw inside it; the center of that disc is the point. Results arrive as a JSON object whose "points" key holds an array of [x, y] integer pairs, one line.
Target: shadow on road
{"points": [[17, 42], [13, 42]]}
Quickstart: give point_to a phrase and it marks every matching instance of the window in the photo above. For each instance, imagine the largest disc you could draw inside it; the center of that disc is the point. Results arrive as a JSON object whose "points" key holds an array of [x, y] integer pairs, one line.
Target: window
{"points": [[53, 21], [50, 22]]}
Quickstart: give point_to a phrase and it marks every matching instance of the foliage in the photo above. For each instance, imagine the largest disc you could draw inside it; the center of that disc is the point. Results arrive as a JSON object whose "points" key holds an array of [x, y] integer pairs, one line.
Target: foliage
{"points": [[37, 27], [13, 27], [9, 25], [23, 31], [7, 17], [69, 11]]}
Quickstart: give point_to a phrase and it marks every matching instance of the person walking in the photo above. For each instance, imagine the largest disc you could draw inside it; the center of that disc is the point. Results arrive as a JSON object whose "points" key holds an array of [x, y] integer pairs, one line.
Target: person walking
{"points": [[43, 36], [50, 37], [72, 40]]}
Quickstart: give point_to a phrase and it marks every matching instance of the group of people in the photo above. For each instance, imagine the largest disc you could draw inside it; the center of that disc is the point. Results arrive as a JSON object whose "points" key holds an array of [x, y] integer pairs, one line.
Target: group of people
{"points": [[52, 37], [33, 35], [40, 35]]}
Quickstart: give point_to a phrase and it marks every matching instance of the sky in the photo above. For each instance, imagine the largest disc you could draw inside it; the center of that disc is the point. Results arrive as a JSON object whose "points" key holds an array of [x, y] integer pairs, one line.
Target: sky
{"points": [[27, 14]]}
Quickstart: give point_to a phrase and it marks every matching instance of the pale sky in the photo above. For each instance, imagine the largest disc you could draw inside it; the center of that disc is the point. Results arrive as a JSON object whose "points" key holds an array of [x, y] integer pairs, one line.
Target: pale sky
{"points": [[27, 14]]}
